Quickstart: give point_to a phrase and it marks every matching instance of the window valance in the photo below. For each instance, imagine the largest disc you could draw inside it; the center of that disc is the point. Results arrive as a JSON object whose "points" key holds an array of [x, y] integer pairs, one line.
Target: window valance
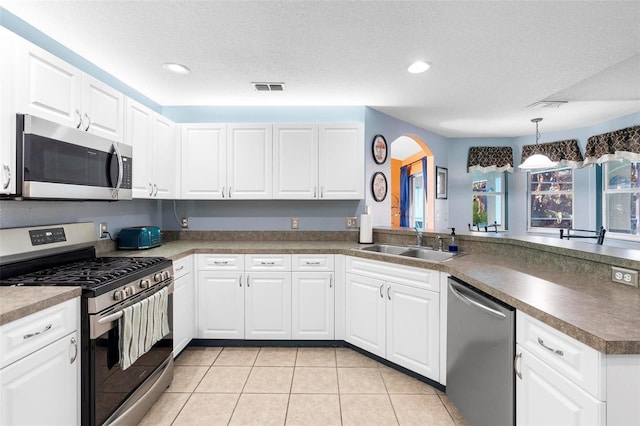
{"points": [[490, 159], [621, 144], [566, 153]]}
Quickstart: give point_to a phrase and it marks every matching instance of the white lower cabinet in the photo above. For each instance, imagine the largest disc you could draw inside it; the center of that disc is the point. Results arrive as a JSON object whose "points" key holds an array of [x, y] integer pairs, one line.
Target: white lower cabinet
{"points": [[268, 306], [559, 381], [312, 306], [394, 312], [545, 397], [220, 305], [183, 302], [43, 385]]}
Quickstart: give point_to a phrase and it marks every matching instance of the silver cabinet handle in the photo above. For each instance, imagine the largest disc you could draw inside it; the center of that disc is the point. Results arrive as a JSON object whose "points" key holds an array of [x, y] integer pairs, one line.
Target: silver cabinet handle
{"points": [[312, 263], [381, 285], [155, 187], [315, 191], [248, 280], [240, 281], [30, 335], [150, 189], [79, 118], [180, 268], [388, 292], [555, 351], [322, 192], [74, 343], [88, 122], [264, 262], [515, 365], [220, 262], [223, 188], [330, 281], [7, 170], [229, 192]]}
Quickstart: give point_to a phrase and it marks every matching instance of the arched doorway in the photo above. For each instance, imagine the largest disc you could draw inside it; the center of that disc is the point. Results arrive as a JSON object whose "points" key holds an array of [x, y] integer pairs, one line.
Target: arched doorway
{"points": [[409, 150]]}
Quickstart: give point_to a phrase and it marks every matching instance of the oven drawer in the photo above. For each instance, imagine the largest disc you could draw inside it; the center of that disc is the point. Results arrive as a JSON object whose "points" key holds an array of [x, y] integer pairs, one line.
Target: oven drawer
{"points": [[26, 335], [220, 262]]}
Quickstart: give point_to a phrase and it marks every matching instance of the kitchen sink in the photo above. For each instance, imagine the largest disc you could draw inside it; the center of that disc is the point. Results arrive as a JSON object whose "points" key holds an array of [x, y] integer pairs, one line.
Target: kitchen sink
{"points": [[386, 249], [411, 251]]}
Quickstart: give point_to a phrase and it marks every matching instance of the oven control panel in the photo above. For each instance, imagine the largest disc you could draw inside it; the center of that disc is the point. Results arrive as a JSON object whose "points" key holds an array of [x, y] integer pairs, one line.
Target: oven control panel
{"points": [[47, 236]]}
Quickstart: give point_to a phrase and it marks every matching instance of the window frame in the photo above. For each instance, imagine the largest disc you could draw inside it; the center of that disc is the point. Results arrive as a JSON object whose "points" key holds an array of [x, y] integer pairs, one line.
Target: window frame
{"points": [[476, 176], [607, 191]]}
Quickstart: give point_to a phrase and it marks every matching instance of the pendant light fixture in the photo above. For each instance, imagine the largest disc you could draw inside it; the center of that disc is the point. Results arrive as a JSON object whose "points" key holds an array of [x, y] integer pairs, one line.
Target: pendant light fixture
{"points": [[538, 160]]}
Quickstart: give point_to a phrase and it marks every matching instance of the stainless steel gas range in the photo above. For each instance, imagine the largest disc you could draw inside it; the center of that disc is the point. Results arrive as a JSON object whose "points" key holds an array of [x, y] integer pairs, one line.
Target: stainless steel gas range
{"points": [[114, 291]]}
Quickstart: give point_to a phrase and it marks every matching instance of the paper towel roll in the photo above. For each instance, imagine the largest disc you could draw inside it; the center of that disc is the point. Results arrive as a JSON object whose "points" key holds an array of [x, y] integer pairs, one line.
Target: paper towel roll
{"points": [[366, 231]]}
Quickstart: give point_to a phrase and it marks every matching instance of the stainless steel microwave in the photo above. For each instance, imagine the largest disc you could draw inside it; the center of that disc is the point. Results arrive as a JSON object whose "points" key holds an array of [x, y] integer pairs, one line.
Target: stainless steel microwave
{"points": [[63, 163]]}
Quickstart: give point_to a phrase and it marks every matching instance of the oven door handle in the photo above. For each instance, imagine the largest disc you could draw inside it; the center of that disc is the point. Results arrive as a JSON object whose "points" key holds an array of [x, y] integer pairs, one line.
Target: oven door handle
{"points": [[110, 318]]}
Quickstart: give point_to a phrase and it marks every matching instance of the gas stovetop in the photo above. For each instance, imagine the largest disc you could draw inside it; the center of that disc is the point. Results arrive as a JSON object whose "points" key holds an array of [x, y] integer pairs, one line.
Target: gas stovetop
{"points": [[89, 274]]}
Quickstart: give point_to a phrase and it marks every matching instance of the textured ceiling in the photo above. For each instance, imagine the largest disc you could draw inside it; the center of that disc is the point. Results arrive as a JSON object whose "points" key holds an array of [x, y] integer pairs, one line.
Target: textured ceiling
{"points": [[490, 60]]}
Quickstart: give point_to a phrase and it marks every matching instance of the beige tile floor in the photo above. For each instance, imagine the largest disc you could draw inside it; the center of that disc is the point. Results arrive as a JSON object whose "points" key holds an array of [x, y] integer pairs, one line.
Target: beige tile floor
{"points": [[295, 386]]}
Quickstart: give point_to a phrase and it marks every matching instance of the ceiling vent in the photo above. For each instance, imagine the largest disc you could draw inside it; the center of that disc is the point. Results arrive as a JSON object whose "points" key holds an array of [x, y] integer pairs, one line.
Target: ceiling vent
{"points": [[546, 104], [268, 87]]}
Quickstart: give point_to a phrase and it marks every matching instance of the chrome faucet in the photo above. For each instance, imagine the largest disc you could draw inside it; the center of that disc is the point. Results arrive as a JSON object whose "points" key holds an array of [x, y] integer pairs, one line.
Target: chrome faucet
{"points": [[418, 236], [440, 242]]}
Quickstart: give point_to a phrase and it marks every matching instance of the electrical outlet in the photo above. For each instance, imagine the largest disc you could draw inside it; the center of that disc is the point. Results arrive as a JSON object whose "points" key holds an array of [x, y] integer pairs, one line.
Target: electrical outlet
{"points": [[351, 222], [295, 223], [624, 276], [185, 222], [104, 230]]}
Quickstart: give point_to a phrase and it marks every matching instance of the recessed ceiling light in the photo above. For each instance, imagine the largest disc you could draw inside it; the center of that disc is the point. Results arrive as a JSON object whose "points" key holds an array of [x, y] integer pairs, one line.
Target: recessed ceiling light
{"points": [[418, 67], [176, 68]]}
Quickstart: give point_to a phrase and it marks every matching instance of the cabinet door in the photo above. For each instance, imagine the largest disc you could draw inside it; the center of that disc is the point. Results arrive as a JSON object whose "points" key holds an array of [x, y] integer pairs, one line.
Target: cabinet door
{"points": [[413, 329], [220, 305], [295, 161], [48, 86], [268, 306], [102, 109], [164, 167], [204, 161], [43, 388], [8, 47], [341, 166], [183, 304], [365, 313], [544, 397], [138, 135], [312, 310], [249, 161]]}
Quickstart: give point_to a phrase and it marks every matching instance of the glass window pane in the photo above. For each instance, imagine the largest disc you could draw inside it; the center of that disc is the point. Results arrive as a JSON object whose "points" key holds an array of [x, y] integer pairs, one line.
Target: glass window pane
{"points": [[551, 210], [551, 180], [623, 211], [622, 175]]}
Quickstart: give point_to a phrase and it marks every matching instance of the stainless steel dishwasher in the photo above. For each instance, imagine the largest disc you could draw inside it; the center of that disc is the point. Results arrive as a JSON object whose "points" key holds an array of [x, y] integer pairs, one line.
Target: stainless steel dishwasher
{"points": [[480, 351]]}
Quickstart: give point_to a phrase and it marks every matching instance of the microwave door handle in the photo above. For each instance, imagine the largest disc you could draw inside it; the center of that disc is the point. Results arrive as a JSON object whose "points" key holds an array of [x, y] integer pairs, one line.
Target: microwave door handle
{"points": [[118, 155]]}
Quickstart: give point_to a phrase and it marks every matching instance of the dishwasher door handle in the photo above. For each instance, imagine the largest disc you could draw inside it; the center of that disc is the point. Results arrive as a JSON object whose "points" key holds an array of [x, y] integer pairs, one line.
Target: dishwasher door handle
{"points": [[476, 304]]}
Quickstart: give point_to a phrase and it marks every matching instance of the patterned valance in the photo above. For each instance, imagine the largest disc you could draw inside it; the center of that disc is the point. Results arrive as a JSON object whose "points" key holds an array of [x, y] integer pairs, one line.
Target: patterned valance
{"points": [[566, 153], [624, 143], [490, 159]]}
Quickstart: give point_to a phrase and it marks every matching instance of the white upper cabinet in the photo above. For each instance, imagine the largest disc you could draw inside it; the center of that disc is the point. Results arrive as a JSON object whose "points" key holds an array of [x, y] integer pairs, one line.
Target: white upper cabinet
{"points": [[51, 88], [8, 46], [204, 161], [341, 165], [153, 139], [295, 161], [249, 161]]}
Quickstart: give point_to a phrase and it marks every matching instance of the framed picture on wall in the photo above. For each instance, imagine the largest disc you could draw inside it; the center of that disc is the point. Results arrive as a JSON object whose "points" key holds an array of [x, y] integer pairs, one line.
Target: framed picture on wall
{"points": [[379, 186], [442, 176], [379, 149]]}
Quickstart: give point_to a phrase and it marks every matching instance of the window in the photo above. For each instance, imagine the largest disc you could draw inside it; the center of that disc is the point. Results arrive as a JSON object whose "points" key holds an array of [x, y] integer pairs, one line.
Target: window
{"points": [[417, 201], [622, 197], [489, 199], [551, 199]]}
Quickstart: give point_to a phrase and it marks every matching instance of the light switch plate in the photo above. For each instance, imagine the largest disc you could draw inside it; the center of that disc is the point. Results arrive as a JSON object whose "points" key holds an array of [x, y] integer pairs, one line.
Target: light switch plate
{"points": [[624, 276]]}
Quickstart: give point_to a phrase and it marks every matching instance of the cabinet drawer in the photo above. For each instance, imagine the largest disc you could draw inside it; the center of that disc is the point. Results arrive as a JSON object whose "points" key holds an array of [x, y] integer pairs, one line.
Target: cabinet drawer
{"points": [[221, 262], [24, 336], [408, 275], [182, 267], [268, 262], [312, 262], [581, 364]]}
